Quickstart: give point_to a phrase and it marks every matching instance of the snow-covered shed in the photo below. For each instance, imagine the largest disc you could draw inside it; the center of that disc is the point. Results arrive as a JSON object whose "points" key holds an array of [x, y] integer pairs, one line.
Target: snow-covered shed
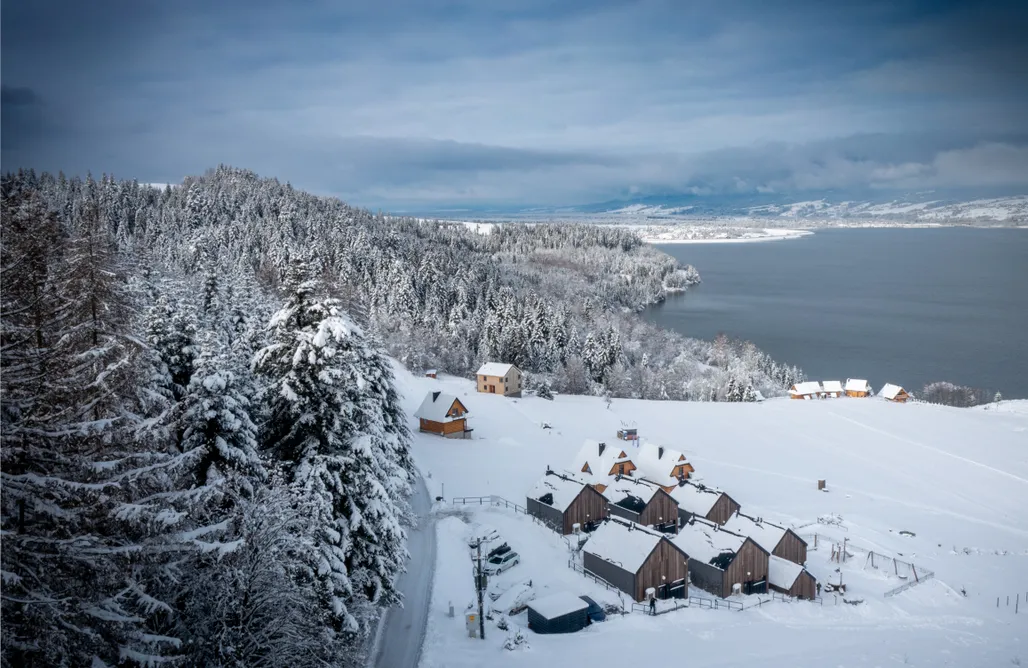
{"points": [[562, 501], [661, 465], [643, 502], [499, 378], [431, 373], [857, 387], [558, 613], [810, 389], [789, 578], [597, 462], [697, 500], [894, 393], [443, 414], [634, 558], [719, 559], [832, 389], [775, 538]]}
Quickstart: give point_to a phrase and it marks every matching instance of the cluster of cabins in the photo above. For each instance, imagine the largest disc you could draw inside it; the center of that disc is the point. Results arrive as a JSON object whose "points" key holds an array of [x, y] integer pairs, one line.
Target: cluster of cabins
{"points": [[854, 387], [651, 530]]}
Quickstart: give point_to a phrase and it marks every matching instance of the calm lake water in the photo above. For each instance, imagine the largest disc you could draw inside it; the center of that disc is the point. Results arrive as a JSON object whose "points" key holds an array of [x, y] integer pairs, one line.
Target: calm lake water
{"points": [[908, 306]]}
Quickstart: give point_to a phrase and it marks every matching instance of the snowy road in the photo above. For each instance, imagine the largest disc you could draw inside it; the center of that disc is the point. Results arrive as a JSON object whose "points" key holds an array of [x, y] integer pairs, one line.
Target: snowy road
{"points": [[403, 629]]}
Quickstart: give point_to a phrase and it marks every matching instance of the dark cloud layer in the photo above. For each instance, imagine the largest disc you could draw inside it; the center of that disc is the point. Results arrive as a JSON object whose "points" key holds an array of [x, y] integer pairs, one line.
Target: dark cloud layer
{"points": [[406, 103]]}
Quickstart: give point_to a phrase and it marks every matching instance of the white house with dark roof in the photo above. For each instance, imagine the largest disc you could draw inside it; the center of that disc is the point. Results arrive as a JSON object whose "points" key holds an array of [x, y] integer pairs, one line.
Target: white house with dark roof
{"points": [[499, 378]]}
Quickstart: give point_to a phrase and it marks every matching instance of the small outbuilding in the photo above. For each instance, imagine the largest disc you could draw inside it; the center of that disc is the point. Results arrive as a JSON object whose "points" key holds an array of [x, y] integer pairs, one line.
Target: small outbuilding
{"points": [[832, 389], [642, 502], [719, 559], [894, 393], [562, 501], [499, 378], [443, 414], [810, 389], [431, 373], [776, 539], [697, 500], [558, 613], [857, 387], [791, 579], [634, 559]]}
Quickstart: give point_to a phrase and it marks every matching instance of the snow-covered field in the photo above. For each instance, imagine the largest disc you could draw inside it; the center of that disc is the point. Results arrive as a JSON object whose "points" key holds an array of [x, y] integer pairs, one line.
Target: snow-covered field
{"points": [[957, 479], [687, 234]]}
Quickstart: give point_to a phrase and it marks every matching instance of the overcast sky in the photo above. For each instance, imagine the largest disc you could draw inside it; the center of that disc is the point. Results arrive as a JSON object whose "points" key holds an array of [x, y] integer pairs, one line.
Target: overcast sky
{"points": [[425, 103]]}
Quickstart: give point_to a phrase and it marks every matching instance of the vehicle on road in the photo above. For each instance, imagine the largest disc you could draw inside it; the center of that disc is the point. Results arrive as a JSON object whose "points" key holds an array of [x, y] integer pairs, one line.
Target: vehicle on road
{"points": [[501, 563]]}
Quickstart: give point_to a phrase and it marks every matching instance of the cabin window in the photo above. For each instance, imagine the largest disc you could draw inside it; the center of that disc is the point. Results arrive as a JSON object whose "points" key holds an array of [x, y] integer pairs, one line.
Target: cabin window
{"points": [[621, 469]]}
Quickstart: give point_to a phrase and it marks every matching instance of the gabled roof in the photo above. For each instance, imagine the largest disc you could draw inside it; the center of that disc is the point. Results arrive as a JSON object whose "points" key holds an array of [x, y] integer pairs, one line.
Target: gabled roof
{"points": [[694, 498], [832, 386], [655, 463], [890, 391], [705, 541], [782, 572], [495, 369], [595, 466], [765, 534], [805, 388], [857, 385], [563, 489], [436, 405], [626, 545], [620, 491]]}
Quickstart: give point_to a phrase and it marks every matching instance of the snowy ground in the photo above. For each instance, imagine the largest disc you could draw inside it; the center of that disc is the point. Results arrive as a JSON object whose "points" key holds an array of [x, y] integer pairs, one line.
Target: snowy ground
{"points": [[683, 234], [956, 478]]}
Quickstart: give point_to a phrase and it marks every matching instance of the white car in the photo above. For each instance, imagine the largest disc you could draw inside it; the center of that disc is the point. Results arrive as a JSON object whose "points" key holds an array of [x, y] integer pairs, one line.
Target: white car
{"points": [[501, 562]]}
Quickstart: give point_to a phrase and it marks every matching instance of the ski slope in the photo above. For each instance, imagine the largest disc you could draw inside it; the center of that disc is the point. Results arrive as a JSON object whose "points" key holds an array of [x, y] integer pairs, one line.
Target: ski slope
{"points": [[955, 478]]}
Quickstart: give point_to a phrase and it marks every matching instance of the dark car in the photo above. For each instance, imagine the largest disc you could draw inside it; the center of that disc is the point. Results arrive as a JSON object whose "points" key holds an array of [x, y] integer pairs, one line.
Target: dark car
{"points": [[595, 612]]}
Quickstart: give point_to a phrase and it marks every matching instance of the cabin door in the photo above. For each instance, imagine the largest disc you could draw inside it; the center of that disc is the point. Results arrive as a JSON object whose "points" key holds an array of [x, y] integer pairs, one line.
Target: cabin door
{"points": [[492, 389], [678, 589], [755, 587]]}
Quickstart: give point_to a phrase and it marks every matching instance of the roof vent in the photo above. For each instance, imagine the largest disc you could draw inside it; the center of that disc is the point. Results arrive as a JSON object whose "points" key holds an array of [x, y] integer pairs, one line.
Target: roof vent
{"points": [[660, 452], [435, 395], [603, 446], [546, 498]]}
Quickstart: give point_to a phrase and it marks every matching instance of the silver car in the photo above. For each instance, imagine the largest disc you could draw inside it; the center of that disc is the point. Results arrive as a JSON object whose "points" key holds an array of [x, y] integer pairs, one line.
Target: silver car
{"points": [[501, 562]]}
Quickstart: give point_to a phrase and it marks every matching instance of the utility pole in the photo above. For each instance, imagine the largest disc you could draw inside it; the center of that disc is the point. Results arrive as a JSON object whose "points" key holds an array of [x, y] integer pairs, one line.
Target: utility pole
{"points": [[479, 577]]}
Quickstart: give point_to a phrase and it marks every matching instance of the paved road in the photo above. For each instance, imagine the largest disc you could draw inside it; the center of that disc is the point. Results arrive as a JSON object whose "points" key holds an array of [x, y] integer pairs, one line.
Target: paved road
{"points": [[402, 631]]}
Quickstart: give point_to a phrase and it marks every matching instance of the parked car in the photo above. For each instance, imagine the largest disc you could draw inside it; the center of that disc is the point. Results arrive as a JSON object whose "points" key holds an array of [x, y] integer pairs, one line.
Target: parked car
{"points": [[501, 563], [595, 612]]}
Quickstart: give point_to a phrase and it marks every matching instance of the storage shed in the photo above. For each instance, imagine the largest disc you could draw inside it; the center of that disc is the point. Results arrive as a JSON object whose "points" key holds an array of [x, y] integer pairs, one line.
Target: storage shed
{"points": [[719, 559], [792, 579], [810, 389], [894, 393], [633, 559], [697, 500], [642, 502], [558, 613], [857, 387], [499, 378], [443, 414], [563, 501], [776, 539]]}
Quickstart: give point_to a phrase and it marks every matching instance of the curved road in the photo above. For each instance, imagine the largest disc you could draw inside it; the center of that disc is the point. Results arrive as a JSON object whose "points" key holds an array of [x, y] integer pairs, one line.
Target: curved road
{"points": [[401, 631]]}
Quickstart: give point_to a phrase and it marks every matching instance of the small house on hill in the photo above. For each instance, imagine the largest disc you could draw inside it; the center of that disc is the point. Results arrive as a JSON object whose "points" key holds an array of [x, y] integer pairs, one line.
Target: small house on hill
{"points": [[720, 559], [443, 414], [431, 373], [633, 559], [643, 503], [598, 462], [558, 613], [697, 500], [810, 389], [791, 579], [776, 539], [894, 393], [499, 378], [563, 501], [660, 465], [832, 389], [857, 387]]}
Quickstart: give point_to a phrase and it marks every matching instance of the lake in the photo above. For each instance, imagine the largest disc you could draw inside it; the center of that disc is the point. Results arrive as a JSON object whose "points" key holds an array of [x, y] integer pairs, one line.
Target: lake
{"points": [[907, 306]]}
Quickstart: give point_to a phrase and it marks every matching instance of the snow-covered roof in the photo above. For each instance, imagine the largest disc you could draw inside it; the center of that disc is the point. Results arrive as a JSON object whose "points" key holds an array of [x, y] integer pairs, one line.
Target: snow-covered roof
{"points": [[765, 534], [655, 463], [557, 605], [598, 464], [432, 371], [704, 541], [782, 572], [563, 487], [694, 498], [857, 385], [494, 369], [832, 386], [805, 388], [435, 407], [625, 547], [619, 490], [890, 391]]}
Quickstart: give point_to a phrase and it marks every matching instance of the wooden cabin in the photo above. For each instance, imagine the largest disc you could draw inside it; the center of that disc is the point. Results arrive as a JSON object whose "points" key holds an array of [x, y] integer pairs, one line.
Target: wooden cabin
{"points": [[431, 373], [634, 558], [443, 414], [697, 500], [628, 434], [643, 503], [857, 387], [719, 559], [790, 578], [776, 539], [894, 393], [660, 465], [831, 389], [563, 501], [597, 463], [810, 389], [499, 378]]}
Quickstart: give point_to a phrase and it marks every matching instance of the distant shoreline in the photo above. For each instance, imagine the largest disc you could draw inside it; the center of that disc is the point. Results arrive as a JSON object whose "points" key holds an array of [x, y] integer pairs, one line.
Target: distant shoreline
{"points": [[767, 235]]}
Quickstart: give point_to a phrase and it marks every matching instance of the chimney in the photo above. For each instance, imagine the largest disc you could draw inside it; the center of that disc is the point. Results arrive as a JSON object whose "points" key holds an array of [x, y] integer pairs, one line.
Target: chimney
{"points": [[603, 446], [660, 452], [435, 395]]}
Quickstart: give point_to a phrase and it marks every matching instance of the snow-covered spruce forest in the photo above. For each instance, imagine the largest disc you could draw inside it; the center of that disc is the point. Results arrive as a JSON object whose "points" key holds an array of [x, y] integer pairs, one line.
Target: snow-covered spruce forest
{"points": [[203, 454]]}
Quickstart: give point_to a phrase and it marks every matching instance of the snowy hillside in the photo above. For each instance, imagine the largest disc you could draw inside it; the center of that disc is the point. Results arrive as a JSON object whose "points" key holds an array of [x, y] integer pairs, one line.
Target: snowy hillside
{"points": [[955, 479], [1004, 209]]}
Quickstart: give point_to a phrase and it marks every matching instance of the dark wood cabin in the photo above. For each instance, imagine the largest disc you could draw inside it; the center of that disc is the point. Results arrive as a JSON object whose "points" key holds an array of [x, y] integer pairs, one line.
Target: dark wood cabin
{"points": [[634, 559], [562, 501], [643, 503], [720, 559], [791, 579], [443, 414], [697, 500]]}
